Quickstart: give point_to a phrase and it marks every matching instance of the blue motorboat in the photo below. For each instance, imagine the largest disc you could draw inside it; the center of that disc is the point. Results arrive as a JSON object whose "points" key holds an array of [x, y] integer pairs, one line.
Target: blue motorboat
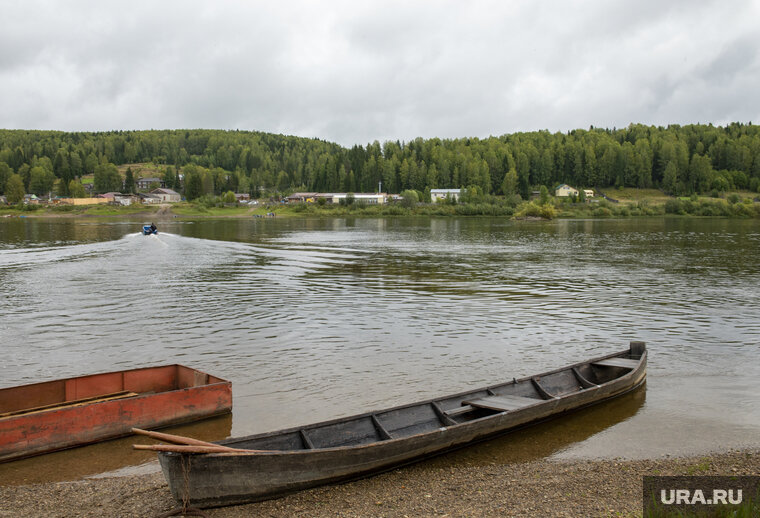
{"points": [[149, 229]]}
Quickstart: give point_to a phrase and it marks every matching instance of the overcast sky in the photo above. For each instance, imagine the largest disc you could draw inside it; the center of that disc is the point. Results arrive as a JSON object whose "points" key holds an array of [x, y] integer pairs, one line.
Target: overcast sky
{"points": [[355, 71]]}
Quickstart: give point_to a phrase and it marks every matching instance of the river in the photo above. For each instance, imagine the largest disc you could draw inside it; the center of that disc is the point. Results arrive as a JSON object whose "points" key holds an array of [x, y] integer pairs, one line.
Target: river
{"points": [[313, 319]]}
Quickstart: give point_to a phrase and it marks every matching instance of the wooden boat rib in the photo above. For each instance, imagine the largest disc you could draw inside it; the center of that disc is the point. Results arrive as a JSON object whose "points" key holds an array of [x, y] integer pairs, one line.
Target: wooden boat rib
{"points": [[297, 458], [54, 415]]}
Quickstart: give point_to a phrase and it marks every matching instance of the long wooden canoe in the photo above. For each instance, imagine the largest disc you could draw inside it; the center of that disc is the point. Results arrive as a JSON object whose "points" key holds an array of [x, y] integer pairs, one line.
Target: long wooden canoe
{"points": [[55, 415], [272, 464]]}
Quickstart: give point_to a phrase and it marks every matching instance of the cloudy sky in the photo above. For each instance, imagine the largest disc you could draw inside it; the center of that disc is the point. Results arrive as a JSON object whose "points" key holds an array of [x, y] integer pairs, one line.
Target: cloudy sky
{"points": [[356, 71]]}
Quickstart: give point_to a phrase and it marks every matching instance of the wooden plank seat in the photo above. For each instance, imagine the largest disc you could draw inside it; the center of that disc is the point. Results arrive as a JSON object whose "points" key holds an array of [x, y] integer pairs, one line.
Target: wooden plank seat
{"points": [[459, 410], [618, 362], [503, 403]]}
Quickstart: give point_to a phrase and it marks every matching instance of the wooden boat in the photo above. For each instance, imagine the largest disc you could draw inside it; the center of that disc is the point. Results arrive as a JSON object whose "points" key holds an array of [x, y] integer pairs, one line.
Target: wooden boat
{"points": [[54, 415], [272, 464]]}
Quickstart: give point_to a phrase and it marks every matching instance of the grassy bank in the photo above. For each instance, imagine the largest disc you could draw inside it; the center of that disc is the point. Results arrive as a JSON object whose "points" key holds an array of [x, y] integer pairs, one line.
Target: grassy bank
{"points": [[626, 203], [78, 210], [631, 203]]}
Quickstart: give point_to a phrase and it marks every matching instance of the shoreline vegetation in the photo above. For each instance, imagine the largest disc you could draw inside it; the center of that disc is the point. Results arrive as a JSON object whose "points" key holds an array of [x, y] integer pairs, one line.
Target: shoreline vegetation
{"points": [[630, 202], [697, 169]]}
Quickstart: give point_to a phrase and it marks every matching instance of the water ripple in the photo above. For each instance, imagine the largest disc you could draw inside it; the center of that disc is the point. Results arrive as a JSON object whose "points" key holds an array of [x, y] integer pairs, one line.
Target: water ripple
{"points": [[302, 316]]}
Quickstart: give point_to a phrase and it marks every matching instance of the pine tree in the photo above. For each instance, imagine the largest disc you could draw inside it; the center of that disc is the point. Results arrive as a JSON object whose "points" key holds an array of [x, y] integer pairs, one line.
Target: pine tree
{"points": [[129, 181]]}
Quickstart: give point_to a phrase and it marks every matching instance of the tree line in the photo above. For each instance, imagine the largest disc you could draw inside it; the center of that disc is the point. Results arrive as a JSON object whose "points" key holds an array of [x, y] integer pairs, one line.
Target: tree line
{"points": [[677, 159]]}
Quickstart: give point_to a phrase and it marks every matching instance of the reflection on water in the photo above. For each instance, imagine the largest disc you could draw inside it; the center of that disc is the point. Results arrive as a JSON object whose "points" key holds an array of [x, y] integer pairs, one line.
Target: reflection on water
{"points": [[105, 457], [550, 437], [313, 319]]}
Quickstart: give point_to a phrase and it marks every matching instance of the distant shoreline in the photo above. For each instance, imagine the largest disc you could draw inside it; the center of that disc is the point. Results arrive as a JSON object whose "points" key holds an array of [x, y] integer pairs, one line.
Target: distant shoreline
{"points": [[709, 211], [630, 203]]}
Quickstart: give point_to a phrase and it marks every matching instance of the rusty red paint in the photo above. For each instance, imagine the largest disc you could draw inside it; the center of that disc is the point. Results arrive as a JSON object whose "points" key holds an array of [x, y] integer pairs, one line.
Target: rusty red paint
{"points": [[166, 395]]}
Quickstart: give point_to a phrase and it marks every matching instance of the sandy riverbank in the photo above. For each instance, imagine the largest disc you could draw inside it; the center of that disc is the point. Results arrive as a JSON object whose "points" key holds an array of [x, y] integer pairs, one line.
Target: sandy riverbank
{"points": [[588, 488]]}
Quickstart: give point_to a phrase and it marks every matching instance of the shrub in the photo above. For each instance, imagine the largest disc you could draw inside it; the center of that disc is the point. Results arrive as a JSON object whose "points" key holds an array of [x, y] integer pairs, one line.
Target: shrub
{"points": [[395, 210], [410, 198], [481, 209], [207, 201], [742, 210], [673, 206], [602, 212], [28, 207], [64, 208], [536, 210], [513, 200]]}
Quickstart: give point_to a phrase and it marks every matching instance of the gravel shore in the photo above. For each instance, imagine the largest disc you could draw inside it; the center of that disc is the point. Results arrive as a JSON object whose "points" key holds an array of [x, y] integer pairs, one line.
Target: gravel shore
{"points": [[587, 488]]}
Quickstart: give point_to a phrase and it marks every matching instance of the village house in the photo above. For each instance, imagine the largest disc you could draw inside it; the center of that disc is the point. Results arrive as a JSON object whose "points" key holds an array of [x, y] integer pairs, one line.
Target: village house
{"points": [[145, 183], [167, 195], [126, 199], [564, 190], [336, 197], [368, 198], [442, 194], [589, 193], [302, 197], [149, 199]]}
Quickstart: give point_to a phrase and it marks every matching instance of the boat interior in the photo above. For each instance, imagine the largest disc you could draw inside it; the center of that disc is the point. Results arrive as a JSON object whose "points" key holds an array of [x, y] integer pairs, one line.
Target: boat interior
{"points": [[52, 395], [432, 415]]}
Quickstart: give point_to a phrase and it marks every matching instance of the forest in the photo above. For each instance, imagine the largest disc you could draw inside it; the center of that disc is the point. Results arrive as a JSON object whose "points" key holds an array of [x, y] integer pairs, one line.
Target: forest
{"points": [[679, 160]]}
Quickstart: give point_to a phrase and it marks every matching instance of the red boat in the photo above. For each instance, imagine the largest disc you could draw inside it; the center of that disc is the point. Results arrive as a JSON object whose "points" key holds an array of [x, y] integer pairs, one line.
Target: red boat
{"points": [[55, 415]]}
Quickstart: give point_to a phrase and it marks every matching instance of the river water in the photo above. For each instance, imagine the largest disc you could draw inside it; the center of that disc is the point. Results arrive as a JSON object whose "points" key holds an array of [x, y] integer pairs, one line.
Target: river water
{"points": [[314, 319]]}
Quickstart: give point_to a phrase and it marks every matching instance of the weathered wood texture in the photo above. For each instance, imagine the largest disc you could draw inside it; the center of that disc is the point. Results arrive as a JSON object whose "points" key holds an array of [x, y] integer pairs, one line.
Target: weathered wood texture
{"points": [[60, 414], [358, 446]]}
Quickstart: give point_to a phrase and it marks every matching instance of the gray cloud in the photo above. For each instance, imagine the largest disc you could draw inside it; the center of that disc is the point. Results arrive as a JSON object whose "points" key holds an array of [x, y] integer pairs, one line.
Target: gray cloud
{"points": [[353, 72]]}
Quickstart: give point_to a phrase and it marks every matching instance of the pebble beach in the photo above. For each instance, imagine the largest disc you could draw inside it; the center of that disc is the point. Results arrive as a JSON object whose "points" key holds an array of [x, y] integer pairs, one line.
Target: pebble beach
{"points": [[545, 487]]}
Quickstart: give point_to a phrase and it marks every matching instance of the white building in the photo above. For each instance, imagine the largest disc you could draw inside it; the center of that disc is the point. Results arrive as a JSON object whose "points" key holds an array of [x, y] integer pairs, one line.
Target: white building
{"points": [[126, 199], [150, 198], [442, 194], [336, 197], [167, 195], [369, 199], [564, 190]]}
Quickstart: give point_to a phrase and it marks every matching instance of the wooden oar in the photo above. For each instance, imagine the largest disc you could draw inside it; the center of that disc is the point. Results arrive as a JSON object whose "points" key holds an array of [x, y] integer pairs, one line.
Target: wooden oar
{"points": [[184, 444], [175, 439], [187, 448]]}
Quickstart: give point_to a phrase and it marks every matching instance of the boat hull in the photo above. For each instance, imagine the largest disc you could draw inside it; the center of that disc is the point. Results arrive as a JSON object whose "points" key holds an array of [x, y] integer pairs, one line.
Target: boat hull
{"points": [[211, 480], [87, 409]]}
